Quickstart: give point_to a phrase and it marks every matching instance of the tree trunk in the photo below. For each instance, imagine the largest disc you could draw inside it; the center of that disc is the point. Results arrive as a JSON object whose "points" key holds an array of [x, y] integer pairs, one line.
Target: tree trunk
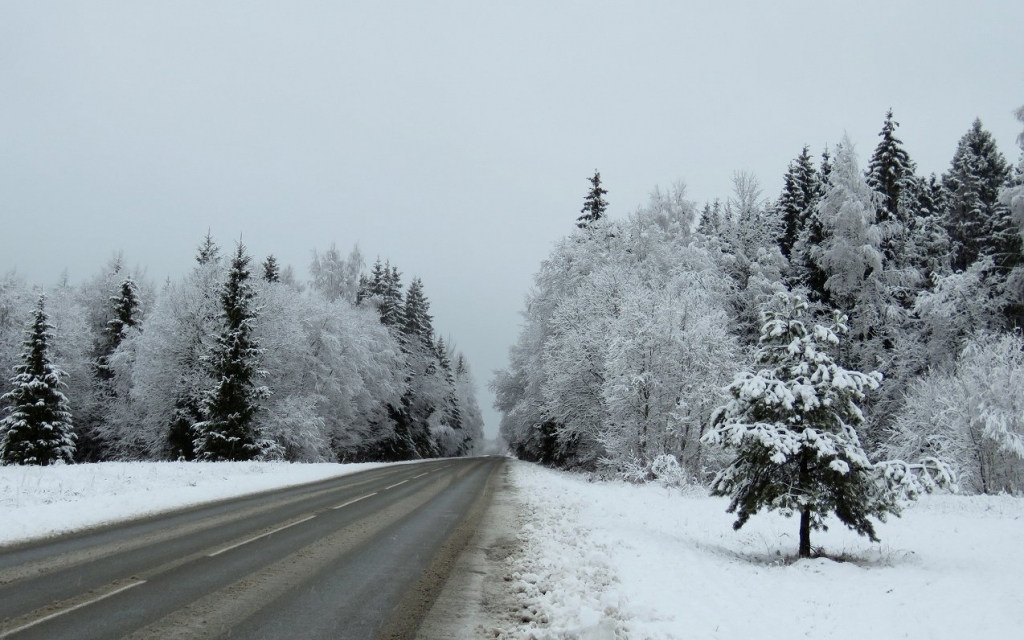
{"points": [[805, 512], [805, 532]]}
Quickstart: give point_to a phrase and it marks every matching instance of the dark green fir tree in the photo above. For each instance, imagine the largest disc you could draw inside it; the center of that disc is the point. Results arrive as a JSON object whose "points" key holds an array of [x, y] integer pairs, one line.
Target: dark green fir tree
{"points": [[791, 424], [208, 251], [890, 173], [271, 270], [594, 205], [800, 193], [37, 429], [977, 223], [418, 322], [228, 433]]}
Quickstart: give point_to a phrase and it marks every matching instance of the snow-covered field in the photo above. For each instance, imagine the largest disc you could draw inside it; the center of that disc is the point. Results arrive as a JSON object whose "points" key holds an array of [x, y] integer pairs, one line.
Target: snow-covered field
{"points": [[41, 501], [612, 560]]}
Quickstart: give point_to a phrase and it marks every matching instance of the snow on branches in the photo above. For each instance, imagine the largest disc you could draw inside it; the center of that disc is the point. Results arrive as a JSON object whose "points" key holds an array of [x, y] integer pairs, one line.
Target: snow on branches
{"points": [[792, 423]]}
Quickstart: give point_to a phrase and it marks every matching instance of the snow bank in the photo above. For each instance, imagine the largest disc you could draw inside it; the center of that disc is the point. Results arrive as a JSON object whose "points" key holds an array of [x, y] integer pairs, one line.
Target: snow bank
{"points": [[612, 560], [42, 501]]}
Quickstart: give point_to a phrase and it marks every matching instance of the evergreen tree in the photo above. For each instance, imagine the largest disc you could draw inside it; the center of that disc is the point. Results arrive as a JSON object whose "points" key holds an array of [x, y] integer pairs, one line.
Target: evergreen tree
{"points": [[418, 323], [799, 195], [126, 312], [825, 173], [891, 173], [384, 286], [37, 429], [977, 223], [208, 251], [711, 222], [792, 424], [228, 432], [271, 270], [391, 308], [594, 205]]}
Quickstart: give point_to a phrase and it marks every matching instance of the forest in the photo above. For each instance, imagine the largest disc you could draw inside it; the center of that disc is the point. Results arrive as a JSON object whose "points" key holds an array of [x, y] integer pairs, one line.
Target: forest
{"points": [[652, 345], [234, 361]]}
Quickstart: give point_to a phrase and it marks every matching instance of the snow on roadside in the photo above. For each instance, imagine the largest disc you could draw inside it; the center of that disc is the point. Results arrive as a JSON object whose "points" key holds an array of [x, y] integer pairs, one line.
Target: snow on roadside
{"points": [[41, 501], [613, 560]]}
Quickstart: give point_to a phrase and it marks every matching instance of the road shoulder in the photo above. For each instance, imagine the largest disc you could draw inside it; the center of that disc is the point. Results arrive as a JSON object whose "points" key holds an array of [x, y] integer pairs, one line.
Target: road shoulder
{"points": [[477, 600]]}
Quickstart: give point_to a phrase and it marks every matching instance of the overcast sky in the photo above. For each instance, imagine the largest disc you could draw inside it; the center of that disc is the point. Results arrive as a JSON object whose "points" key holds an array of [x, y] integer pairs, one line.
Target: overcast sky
{"points": [[453, 138]]}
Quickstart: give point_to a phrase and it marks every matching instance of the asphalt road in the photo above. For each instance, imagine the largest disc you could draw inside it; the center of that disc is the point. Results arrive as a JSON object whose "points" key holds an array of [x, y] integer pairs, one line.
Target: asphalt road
{"points": [[360, 556]]}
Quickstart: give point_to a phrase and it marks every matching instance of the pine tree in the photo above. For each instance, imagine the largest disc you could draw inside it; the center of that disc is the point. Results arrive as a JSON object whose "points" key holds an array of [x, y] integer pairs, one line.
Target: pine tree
{"points": [[891, 173], [594, 205], [977, 223], [37, 429], [228, 432], [271, 270], [792, 424], [799, 195]]}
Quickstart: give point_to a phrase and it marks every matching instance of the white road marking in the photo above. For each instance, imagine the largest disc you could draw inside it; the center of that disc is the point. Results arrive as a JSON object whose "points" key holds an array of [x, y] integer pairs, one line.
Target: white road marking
{"points": [[356, 500], [420, 476], [70, 609], [262, 535], [395, 485]]}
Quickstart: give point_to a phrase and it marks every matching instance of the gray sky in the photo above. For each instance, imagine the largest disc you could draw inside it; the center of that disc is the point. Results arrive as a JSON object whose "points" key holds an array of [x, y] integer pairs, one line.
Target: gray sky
{"points": [[454, 138]]}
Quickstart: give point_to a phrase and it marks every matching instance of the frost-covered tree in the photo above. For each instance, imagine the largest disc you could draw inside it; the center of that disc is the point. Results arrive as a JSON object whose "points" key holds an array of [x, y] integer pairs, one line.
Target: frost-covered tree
{"points": [[228, 432], [971, 415], [334, 276], [37, 429], [594, 204], [16, 303], [792, 425], [1013, 196], [849, 252]]}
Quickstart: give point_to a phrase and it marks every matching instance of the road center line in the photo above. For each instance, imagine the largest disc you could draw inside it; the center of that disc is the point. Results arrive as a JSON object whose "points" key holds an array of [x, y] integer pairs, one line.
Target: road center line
{"points": [[395, 485], [262, 535], [356, 500], [420, 476], [70, 609]]}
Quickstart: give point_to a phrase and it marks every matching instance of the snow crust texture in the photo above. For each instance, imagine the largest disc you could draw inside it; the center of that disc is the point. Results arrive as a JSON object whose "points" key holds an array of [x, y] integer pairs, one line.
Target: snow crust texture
{"points": [[37, 502], [604, 561]]}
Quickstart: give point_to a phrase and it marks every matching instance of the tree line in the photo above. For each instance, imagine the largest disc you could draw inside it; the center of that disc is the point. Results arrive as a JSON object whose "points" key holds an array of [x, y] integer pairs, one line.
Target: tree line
{"points": [[635, 326], [234, 361]]}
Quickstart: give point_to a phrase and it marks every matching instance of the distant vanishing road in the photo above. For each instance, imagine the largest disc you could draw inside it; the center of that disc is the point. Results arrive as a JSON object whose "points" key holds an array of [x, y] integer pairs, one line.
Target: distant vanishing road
{"points": [[360, 556]]}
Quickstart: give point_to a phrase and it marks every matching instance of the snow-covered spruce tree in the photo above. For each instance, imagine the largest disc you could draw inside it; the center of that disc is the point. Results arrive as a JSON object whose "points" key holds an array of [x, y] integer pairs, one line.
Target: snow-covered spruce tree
{"points": [[271, 270], [125, 308], [792, 425], [594, 205], [890, 172], [978, 224], [37, 429], [796, 203], [228, 432]]}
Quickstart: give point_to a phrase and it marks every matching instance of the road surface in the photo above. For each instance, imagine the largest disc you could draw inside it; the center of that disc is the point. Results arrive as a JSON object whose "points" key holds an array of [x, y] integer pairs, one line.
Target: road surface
{"points": [[360, 556]]}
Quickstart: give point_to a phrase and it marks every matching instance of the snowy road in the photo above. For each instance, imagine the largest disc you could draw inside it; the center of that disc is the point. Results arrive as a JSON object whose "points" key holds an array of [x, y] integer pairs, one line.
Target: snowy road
{"points": [[358, 556]]}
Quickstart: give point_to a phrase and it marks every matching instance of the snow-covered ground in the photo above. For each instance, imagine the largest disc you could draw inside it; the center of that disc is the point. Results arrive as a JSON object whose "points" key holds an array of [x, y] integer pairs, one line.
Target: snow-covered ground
{"points": [[42, 501], [612, 560]]}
